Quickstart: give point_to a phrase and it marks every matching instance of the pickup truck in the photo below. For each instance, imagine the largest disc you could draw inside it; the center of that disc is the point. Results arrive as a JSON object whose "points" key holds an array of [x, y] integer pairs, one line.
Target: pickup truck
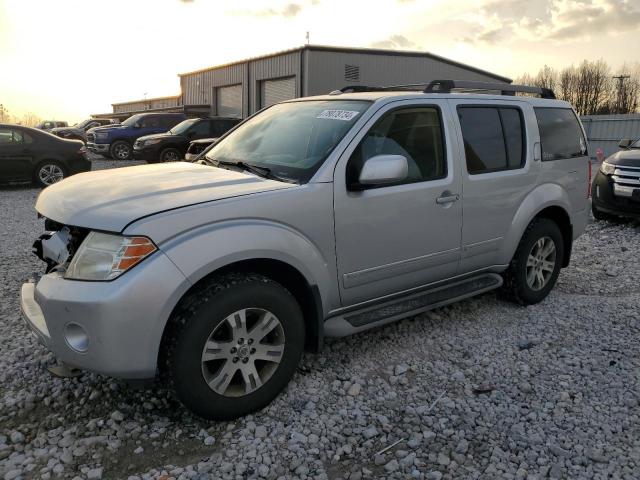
{"points": [[116, 141]]}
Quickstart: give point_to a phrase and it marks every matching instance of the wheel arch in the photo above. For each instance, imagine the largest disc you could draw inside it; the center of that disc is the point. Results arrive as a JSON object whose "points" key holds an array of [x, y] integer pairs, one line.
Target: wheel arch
{"points": [[549, 201], [307, 295]]}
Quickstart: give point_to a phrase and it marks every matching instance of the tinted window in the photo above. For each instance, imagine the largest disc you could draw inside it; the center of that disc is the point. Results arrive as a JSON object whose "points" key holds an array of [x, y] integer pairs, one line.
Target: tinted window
{"points": [[560, 134], [414, 133], [151, 122], [220, 127], [493, 138], [170, 121], [200, 129]]}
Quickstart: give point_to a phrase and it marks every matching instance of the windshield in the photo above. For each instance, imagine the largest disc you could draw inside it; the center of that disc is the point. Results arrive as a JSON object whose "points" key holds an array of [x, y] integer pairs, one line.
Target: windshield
{"points": [[182, 127], [291, 139], [131, 121]]}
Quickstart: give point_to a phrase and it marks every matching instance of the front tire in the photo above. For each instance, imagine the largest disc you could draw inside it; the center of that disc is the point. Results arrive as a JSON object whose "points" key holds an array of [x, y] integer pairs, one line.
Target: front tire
{"points": [[49, 172], [170, 155], [535, 267], [233, 345], [120, 150], [599, 215]]}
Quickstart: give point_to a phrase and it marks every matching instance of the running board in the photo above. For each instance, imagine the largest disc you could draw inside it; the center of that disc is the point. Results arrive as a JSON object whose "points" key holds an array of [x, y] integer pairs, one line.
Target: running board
{"points": [[406, 306]]}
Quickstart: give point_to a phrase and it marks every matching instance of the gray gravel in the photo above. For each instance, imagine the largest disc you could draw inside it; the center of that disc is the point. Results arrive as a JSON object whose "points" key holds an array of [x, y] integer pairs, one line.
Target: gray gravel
{"points": [[481, 389]]}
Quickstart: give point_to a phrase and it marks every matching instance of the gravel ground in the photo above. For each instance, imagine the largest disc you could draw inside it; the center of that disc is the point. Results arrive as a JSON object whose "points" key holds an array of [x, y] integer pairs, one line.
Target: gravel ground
{"points": [[481, 389]]}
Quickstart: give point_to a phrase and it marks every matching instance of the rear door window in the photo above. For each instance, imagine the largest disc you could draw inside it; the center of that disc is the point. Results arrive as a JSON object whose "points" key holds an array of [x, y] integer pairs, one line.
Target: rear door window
{"points": [[493, 138], [560, 134], [200, 129]]}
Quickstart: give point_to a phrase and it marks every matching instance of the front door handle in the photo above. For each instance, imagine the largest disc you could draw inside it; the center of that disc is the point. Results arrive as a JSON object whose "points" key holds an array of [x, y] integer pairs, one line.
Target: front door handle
{"points": [[447, 197]]}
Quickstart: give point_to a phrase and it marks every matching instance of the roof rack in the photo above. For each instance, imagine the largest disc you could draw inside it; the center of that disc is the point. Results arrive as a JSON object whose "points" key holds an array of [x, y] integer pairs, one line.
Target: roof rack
{"points": [[446, 86]]}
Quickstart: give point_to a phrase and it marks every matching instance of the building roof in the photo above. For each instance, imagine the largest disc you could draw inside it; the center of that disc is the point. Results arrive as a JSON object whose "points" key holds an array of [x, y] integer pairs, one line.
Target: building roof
{"points": [[368, 51]]}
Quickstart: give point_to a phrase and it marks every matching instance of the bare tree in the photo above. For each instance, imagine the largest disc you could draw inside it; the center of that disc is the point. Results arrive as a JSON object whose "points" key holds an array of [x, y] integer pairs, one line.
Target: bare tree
{"points": [[590, 88], [30, 119]]}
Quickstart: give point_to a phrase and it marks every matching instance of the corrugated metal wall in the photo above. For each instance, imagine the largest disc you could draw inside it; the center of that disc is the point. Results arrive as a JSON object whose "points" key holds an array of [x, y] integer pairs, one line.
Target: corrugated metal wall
{"points": [[137, 105], [606, 131], [323, 71], [326, 70]]}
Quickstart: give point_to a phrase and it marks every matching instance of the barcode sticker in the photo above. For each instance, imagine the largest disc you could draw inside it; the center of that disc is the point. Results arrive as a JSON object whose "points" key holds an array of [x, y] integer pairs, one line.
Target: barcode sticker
{"points": [[345, 115]]}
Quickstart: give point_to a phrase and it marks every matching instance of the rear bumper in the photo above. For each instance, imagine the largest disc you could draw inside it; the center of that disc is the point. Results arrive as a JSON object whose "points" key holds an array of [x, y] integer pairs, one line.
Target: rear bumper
{"points": [[98, 147], [605, 200]]}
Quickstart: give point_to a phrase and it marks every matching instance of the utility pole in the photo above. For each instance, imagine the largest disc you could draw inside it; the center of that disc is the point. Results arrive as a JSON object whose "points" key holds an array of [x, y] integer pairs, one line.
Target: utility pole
{"points": [[621, 79]]}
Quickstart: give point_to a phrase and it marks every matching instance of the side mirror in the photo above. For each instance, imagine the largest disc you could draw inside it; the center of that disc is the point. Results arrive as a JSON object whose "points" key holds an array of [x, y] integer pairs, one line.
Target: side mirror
{"points": [[383, 170], [625, 143]]}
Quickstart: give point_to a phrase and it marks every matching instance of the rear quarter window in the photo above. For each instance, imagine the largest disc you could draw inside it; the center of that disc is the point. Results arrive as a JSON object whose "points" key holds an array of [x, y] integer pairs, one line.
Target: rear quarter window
{"points": [[560, 134]]}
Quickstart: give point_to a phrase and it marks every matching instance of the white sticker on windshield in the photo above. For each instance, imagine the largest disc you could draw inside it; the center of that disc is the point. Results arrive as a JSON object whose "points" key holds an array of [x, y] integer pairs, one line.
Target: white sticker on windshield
{"points": [[345, 115]]}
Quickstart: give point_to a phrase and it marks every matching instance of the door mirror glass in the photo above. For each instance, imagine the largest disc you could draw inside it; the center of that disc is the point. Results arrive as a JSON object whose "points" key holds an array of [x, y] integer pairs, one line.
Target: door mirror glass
{"points": [[625, 143], [383, 170]]}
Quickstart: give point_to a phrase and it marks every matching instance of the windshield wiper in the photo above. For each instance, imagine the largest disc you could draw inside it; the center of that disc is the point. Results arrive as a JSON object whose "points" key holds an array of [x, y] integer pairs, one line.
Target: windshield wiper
{"points": [[263, 172]]}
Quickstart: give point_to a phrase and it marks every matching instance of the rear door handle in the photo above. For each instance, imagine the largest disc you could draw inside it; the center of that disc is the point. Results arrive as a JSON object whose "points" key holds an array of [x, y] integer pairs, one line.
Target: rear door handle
{"points": [[447, 197]]}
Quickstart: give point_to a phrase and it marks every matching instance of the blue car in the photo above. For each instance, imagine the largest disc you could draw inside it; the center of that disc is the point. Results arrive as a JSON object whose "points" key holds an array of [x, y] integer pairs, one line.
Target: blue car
{"points": [[116, 141]]}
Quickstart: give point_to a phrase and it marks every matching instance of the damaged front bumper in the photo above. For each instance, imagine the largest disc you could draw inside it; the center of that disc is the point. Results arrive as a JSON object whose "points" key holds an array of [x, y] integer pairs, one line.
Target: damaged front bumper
{"points": [[111, 327]]}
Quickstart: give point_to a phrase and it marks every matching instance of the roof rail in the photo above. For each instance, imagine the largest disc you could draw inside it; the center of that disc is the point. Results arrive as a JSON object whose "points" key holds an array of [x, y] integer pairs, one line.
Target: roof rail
{"points": [[445, 86]]}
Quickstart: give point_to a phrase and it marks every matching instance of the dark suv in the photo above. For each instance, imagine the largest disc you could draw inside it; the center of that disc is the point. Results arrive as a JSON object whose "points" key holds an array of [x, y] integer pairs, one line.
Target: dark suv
{"points": [[79, 130], [172, 145], [116, 141], [616, 186]]}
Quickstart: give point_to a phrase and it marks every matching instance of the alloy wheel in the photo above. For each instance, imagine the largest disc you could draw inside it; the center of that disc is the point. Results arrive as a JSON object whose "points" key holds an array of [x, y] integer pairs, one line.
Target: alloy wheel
{"points": [[243, 352], [122, 151], [50, 174], [541, 263]]}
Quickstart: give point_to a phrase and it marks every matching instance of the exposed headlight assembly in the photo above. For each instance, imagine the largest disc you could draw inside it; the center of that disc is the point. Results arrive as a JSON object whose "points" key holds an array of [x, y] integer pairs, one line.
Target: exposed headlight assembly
{"points": [[607, 168], [104, 256]]}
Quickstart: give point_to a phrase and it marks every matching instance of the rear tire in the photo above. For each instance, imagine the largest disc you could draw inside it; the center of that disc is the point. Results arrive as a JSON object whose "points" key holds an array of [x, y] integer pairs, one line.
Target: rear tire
{"points": [[170, 155], [208, 355], [120, 150], [535, 267], [49, 172]]}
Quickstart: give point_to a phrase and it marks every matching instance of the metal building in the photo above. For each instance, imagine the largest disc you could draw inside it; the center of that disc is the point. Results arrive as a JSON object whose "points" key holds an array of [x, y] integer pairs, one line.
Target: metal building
{"points": [[241, 88]]}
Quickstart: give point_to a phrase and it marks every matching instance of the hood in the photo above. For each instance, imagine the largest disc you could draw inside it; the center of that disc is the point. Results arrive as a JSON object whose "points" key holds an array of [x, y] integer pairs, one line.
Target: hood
{"points": [[111, 199], [106, 128], [159, 135], [205, 140], [627, 158], [62, 129]]}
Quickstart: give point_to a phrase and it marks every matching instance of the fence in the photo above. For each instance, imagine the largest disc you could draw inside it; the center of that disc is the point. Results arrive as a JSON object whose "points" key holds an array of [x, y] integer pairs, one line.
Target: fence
{"points": [[606, 131]]}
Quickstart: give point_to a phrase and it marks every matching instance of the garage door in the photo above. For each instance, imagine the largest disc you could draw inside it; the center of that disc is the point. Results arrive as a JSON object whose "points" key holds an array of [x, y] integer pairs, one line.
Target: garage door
{"points": [[274, 91], [229, 101]]}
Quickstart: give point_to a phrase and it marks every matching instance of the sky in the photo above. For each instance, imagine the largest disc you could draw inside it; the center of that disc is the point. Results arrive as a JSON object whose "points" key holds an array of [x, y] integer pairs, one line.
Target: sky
{"points": [[66, 59]]}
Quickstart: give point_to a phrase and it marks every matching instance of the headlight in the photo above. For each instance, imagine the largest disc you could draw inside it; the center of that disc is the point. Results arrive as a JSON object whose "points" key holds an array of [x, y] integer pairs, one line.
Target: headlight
{"points": [[607, 168], [151, 141], [102, 136], [104, 256]]}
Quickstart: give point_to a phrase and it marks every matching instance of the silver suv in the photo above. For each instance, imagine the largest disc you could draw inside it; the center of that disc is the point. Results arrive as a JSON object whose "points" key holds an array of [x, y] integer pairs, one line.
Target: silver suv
{"points": [[322, 216]]}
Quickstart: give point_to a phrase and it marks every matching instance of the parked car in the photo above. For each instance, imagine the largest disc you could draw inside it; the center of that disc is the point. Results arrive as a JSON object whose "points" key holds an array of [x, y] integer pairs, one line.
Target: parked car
{"points": [[79, 130], [31, 155], [117, 141], [51, 124], [196, 147], [616, 185], [173, 145], [321, 216]]}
